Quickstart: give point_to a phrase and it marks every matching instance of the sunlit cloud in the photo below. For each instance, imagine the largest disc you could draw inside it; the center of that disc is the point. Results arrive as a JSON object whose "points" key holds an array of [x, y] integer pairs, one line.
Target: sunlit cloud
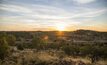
{"points": [[36, 16]]}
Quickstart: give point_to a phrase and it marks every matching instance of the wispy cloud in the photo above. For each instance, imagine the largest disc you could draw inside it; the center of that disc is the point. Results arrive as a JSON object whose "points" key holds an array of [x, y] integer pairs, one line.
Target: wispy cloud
{"points": [[14, 8], [49, 12], [84, 1], [38, 15]]}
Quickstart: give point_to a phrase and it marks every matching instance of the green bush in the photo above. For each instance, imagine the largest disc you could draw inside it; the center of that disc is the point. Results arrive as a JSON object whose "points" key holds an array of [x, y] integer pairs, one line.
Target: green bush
{"points": [[4, 48], [71, 50]]}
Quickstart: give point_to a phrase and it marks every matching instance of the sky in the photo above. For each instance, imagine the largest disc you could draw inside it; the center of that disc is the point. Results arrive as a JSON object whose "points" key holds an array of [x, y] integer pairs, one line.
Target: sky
{"points": [[49, 15]]}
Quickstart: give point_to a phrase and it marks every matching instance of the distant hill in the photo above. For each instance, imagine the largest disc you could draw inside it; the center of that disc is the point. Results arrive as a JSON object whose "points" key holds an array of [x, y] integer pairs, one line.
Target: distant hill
{"points": [[78, 35], [89, 35]]}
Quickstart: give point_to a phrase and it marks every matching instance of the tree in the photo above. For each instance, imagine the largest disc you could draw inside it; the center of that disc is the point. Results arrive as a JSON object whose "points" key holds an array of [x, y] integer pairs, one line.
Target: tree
{"points": [[71, 50], [38, 43], [93, 52], [11, 40], [20, 46], [67, 50], [4, 48]]}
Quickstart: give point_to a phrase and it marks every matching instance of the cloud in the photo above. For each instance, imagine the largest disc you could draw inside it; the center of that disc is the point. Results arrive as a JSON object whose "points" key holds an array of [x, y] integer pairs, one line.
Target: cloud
{"points": [[14, 8], [84, 1], [91, 13], [37, 16], [41, 12]]}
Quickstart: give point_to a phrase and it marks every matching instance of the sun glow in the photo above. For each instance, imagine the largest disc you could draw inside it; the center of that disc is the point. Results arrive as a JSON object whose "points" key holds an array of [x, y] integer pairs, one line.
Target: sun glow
{"points": [[61, 26]]}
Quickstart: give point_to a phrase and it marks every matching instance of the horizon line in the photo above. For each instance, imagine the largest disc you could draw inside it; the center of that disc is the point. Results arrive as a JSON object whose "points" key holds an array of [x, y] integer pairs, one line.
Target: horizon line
{"points": [[47, 30]]}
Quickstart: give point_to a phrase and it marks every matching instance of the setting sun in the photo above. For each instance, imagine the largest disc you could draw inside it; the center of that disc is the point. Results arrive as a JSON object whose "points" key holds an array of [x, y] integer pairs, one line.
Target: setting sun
{"points": [[60, 26]]}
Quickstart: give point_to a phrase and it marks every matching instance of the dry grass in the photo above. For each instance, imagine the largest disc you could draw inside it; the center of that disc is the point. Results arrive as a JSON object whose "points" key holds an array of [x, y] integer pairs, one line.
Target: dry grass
{"points": [[47, 57]]}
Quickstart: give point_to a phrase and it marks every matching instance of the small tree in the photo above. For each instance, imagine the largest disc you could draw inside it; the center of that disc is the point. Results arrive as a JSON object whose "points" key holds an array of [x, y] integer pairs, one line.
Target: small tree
{"points": [[93, 52], [38, 43], [71, 50], [20, 46], [4, 48], [11, 40], [67, 50]]}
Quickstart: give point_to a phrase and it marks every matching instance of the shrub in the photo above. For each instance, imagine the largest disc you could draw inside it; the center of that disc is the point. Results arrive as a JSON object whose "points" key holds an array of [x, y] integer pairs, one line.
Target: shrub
{"points": [[4, 48]]}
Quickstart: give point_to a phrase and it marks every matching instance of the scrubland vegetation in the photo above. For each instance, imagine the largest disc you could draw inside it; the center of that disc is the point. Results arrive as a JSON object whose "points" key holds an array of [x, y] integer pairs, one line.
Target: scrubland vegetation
{"points": [[50, 48]]}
